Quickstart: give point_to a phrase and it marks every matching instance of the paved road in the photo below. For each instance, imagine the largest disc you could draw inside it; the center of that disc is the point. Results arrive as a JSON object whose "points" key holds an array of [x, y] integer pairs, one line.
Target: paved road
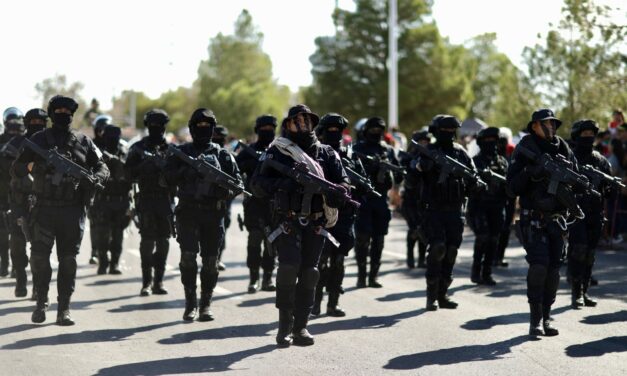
{"points": [[386, 330]]}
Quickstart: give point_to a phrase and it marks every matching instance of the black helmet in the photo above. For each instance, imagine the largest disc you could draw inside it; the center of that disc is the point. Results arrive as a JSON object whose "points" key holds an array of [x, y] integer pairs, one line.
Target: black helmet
{"points": [[583, 125], [101, 120], [60, 101], [333, 119], [220, 131], [202, 114], [444, 121], [374, 122], [156, 116], [265, 120], [488, 132], [431, 127], [541, 115], [421, 135], [12, 113], [35, 113]]}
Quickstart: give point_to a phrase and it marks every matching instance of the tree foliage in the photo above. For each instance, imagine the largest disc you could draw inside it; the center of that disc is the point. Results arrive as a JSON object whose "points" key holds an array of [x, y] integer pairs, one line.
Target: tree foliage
{"points": [[58, 84], [579, 66]]}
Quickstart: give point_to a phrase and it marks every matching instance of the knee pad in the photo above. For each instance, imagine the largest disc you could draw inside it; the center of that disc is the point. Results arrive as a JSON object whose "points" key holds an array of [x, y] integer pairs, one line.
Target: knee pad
{"points": [[188, 260], [437, 251], [536, 275], [39, 261], [286, 276], [451, 254], [578, 252], [553, 278], [309, 278]]}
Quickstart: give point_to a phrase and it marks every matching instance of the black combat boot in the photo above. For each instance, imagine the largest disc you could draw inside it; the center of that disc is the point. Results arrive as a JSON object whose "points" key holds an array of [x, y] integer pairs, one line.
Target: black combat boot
{"points": [[191, 305], [157, 285], [422, 253], [146, 282], [204, 311], [33, 296], [39, 314], [475, 273], [93, 260], [266, 282], [549, 330], [103, 262], [432, 294], [535, 316], [443, 299], [20, 283], [114, 265], [361, 275], [587, 300], [317, 300], [4, 266], [300, 334], [253, 285], [286, 321], [411, 243], [372, 277], [63, 312], [576, 297], [486, 276], [333, 309]]}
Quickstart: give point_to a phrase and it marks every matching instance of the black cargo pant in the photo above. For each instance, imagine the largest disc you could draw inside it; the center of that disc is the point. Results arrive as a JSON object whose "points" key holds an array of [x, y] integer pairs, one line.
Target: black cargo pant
{"points": [[371, 226], [259, 252], [4, 240], [200, 230], [17, 242], [109, 218], [487, 222], [583, 239], [155, 216], [64, 225]]}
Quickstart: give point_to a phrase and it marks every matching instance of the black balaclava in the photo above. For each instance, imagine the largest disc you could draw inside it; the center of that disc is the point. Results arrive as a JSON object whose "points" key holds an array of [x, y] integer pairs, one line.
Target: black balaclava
{"points": [[155, 121], [333, 138], [265, 136], [219, 135], [445, 139], [111, 138], [202, 136], [61, 121], [32, 114], [584, 145], [373, 130], [488, 140]]}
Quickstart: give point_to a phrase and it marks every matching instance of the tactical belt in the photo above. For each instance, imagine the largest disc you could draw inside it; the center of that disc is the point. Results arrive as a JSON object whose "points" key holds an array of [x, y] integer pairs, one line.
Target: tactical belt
{"points": [[284, 228], [540, 219]]}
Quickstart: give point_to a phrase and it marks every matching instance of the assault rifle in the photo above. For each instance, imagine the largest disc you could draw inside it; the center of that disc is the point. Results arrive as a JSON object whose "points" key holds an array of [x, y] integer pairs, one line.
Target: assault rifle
{"points": [[312, 184], [63, 166], [210, 174], [383, 165], [598, 177], [248, 149], [449, 166], [359, 181]]}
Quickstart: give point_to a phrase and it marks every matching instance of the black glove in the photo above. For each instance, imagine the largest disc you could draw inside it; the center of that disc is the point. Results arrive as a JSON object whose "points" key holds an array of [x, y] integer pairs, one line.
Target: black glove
{"points": [[287, 185], [535, 172], [335, 201], [425, 164]]}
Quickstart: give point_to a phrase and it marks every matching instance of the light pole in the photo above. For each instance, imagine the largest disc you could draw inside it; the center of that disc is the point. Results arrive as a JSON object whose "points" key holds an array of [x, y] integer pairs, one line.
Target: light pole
{"points": [[393, 66]]}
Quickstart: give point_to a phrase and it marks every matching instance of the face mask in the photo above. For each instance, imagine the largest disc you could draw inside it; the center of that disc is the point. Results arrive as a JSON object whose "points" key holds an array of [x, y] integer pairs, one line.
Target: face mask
{"points": [[584, 144], [32, 129], [333, 138], [202, 135], [488, 148], [548, 130], [445, 138], [155, 133], [111, 144], [61, 120], [302, 139], [265, 137], [374, 137]]}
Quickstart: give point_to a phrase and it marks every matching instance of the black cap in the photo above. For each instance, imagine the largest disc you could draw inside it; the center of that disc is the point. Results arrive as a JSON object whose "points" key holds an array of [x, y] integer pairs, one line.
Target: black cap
{"points": [[156, 115], [266, 119], [420, 135], [445, 121], [302, 109], [60, 101], [374, 122], [35, 113], [333, 119], [488, 132], [582, 125], [220, 131], [202, 114], [541, 115], [112, 131]]}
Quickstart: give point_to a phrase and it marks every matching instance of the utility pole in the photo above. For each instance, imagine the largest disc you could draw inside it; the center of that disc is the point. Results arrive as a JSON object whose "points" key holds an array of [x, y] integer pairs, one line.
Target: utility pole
{"points": [[393, 66]]}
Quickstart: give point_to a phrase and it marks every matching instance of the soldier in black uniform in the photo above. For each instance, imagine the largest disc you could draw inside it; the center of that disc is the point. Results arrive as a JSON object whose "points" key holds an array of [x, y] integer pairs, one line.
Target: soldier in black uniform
{"points": [[220, 134], [257, 210], [302, 234], [111, 209], [486, 209], [539, 231], [373, 217], [412, 206], [584, 235], [510, 211], [21, 190], [200, 216], [331, 266], [59, 211], [12, 119], [99, 124], [154, 202], [444, 217]]}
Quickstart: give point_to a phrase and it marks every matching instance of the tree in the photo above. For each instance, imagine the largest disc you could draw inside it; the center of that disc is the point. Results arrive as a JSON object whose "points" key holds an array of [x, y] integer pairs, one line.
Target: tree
{"points": [[579, 67], [236, 81], [58, 84], [350, 70]]}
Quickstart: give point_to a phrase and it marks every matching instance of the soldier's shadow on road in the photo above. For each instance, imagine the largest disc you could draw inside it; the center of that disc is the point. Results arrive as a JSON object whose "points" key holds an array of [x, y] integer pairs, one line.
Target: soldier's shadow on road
{"points": [[78, 305], [87, 336], [418, 293], [116, 280], [165, 304], [261, 330], [514, 318], [601, 347], [606, 318], [455, 355], [257, 302], [185, 365]]}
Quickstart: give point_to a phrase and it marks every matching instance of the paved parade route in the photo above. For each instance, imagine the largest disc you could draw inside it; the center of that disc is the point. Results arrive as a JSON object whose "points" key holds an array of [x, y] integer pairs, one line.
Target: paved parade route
{"points": [[386, 330]]}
